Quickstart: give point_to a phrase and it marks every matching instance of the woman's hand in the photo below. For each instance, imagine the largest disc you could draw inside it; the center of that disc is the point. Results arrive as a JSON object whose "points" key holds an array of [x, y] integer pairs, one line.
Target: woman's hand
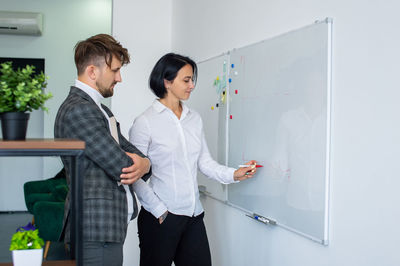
{"points": [[162, 218], [245, 172]]}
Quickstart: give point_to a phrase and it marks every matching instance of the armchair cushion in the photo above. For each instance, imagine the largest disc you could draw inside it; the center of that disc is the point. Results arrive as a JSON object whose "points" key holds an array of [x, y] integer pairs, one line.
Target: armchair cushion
{"points": [[45, 190], [49, 219], [59, 192]]}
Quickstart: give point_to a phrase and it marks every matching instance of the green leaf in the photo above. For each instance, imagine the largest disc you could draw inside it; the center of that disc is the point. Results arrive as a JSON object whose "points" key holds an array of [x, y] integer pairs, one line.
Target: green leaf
{"points": [[26, 240], [22, 90]]}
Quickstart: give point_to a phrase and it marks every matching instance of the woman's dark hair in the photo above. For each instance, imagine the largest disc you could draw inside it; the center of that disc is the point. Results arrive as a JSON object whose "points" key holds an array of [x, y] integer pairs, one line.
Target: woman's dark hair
{"points": [[167, 69]]}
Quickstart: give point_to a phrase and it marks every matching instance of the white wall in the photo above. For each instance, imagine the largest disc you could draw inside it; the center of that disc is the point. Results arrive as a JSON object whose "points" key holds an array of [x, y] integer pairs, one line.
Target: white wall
{"points": [[64, 23], [144, 27], [365, 144]]}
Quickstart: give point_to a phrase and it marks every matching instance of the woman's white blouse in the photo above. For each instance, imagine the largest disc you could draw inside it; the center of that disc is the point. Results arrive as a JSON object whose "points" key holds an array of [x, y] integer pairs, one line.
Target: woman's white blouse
{"points": [[176, 149]]}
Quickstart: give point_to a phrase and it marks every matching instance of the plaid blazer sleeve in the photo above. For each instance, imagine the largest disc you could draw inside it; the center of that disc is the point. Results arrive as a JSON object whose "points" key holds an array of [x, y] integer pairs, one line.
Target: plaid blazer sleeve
{"points": [[126, 145], [86, 122], [129, 147]]}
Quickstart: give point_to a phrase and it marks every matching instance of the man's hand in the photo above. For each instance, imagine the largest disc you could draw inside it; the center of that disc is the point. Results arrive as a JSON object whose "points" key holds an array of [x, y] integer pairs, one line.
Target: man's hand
{"points": [[139, 168]]}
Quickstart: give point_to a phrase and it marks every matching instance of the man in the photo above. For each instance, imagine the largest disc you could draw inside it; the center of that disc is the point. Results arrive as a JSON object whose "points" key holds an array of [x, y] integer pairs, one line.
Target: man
{"points": [[110, 162]]}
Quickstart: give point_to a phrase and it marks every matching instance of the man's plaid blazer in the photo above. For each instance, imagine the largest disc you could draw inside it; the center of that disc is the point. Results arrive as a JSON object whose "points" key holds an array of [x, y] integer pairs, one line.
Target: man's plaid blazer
{"points": [[105, 208]]}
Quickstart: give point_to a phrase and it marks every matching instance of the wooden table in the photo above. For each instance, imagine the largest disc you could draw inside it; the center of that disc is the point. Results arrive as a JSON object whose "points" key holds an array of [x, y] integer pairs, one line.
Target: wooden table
{"points": [[49, 263], [58, 147]]}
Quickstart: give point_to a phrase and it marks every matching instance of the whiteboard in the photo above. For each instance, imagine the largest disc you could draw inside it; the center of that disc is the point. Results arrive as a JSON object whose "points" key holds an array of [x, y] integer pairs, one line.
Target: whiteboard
{"points": [[209, 99], [279, 112]]}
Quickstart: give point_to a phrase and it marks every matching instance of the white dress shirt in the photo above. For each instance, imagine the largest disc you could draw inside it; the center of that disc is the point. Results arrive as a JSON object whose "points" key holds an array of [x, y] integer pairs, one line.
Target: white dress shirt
{"points": [[177, 149], [97, 97]]}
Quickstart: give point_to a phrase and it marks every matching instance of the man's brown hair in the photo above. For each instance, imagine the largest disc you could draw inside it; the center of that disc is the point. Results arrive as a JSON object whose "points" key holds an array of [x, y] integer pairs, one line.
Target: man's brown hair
{"points": [[95, 48]]}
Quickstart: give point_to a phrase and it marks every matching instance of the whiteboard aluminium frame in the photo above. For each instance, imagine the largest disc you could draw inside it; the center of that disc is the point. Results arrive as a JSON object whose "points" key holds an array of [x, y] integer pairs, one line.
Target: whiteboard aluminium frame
{"points": [[325, 241]]}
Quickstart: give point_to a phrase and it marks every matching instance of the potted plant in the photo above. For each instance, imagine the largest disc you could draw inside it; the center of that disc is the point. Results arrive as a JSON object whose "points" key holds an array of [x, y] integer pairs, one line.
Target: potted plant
{"points": [[21, 91], [26, 246]]}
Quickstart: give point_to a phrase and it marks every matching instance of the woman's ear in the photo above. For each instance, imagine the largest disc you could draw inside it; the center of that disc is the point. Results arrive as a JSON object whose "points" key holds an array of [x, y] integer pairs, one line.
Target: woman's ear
{"points": [[167, 84]]}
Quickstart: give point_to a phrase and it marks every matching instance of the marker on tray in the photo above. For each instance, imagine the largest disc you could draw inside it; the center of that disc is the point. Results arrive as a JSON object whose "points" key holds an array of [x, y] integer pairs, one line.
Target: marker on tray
{"points": [[262, 219]]}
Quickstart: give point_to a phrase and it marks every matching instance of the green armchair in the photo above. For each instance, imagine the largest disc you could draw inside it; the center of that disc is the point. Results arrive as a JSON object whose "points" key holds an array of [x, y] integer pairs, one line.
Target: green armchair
{"points": [[45, 200], [43, 190]]}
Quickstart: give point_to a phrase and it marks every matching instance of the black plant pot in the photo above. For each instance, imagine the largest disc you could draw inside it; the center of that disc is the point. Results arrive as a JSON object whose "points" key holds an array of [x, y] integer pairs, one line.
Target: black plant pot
{"points": [[14, 125]]}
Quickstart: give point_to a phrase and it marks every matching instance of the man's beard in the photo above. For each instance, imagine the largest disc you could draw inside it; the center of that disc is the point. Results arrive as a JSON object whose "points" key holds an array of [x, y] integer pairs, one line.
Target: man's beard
{"points": [[106, 92]]}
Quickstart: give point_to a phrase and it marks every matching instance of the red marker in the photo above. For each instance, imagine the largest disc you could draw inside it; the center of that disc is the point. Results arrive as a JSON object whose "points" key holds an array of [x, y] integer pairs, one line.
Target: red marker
{"points": [[249, 165]]}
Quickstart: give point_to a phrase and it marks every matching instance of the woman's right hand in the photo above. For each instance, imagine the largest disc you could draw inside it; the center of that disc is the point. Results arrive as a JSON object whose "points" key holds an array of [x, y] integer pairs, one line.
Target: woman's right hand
{"points": [[162, 218], [245, 172]]}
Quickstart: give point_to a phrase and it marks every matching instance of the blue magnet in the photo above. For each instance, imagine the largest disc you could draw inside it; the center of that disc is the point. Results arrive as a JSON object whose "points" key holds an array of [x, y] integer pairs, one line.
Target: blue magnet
{"points": [[230, 80], [233, 65]]}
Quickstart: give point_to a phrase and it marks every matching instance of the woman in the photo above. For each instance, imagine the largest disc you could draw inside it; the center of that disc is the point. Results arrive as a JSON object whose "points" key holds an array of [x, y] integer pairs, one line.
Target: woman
{"points": [[170, 223]]}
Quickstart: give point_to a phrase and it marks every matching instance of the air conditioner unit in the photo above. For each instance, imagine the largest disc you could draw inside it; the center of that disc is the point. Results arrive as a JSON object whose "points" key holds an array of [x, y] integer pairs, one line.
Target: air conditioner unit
{"points": [[21, 23]]}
